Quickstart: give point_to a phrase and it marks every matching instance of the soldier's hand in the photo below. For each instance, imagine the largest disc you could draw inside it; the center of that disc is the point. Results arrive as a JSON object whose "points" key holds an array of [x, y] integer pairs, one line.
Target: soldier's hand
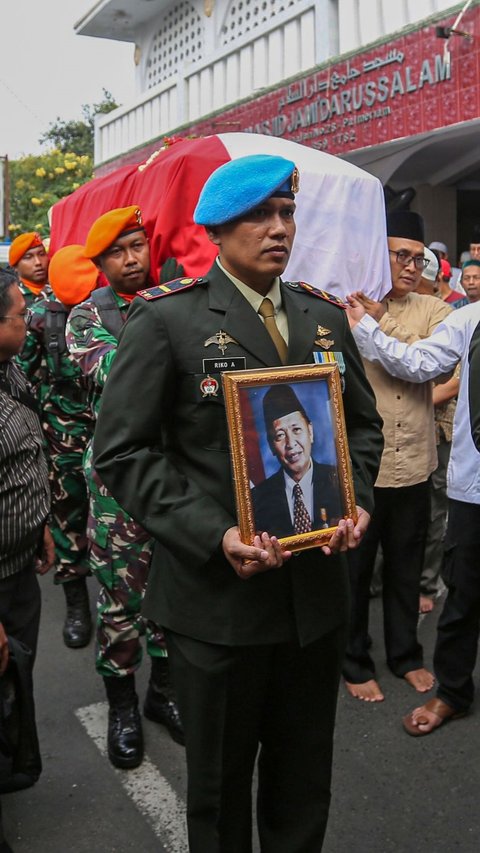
{"points": [[47, 556], [348, 534], [170, 270], [248, 560], [3, 650]]}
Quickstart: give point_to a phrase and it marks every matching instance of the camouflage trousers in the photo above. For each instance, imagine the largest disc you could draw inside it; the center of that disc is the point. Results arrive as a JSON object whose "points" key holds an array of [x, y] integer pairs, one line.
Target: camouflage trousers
{"points": [[69, 504], [120, 553]]}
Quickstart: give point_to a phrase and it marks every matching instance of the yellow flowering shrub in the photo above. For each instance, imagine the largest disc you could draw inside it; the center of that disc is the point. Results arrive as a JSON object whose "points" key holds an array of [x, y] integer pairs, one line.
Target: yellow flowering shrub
{"points": [[38, 181]]}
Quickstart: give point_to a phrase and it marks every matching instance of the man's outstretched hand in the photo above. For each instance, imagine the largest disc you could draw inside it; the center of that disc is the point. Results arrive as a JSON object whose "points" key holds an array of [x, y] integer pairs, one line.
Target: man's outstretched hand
{"points": [[359, 305]]}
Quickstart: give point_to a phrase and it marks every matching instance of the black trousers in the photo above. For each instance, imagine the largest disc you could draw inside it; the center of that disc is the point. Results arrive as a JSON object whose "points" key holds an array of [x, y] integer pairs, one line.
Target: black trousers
{"points": [[20, 607], [399, 524], [459, 623], [233, 700]]}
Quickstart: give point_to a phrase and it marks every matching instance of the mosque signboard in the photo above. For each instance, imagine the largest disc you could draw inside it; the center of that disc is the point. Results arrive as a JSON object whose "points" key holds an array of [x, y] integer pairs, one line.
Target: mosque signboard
{"points": [[416, 83]]}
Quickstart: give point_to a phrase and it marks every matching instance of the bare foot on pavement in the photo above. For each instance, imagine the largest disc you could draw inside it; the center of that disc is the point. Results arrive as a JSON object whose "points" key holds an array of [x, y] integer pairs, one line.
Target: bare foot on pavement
{"points": [[368, 691], [420, 679]]}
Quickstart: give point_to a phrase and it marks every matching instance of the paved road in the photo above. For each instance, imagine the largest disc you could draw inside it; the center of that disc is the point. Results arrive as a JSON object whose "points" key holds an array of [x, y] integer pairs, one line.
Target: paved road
{"points": [[390, 792]]}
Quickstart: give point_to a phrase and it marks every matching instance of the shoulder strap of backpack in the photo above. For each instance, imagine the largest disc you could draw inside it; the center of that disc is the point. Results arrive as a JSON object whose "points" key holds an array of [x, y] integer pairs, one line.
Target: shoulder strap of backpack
{"points": [[108, 309], [55, 321]]}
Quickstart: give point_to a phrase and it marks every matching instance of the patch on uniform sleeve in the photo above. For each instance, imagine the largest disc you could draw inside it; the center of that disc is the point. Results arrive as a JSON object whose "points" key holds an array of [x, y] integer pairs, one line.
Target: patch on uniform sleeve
{"points": [[315, 291], [169, 287]]}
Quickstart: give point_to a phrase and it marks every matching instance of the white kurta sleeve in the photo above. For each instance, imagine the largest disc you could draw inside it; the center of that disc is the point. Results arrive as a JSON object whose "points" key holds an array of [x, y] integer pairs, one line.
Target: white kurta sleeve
{"points": [[417, 362]]}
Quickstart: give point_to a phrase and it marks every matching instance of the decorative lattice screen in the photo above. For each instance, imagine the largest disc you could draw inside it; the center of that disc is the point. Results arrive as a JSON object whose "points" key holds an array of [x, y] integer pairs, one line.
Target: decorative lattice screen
{"points": [[179, 39]]}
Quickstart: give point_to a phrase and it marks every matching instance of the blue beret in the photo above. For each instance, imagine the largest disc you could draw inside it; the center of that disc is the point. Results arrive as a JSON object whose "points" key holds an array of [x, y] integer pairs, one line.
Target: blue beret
{"points": [[240, 185]]}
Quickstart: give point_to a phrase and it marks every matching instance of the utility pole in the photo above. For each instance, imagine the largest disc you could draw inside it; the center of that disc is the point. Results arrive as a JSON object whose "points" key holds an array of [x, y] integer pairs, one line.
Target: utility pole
{"points": [[4, 197]]}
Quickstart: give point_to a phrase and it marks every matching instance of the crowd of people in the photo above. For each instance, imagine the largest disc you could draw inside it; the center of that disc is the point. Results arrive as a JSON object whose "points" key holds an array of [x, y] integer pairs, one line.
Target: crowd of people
{"points": [[244, 639]]}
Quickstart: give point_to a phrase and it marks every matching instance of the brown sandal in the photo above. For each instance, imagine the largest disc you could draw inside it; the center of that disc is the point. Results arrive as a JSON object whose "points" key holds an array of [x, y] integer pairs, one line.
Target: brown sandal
{"points": [[434, 706]]}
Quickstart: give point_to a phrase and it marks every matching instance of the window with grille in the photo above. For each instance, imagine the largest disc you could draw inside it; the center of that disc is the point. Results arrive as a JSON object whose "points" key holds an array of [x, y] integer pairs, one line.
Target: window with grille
{"points": [[178, 39], [245, 15]]}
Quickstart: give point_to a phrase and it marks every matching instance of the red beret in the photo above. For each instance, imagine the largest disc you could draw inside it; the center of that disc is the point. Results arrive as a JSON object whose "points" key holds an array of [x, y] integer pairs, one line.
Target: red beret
{"points": [[22, 244], [111, 225], [72, 275]]}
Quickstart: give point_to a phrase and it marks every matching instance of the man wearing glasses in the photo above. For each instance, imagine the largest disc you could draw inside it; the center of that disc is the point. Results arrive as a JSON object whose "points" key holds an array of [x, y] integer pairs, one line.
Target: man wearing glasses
{"points": [[400, 518], [26, 545]]}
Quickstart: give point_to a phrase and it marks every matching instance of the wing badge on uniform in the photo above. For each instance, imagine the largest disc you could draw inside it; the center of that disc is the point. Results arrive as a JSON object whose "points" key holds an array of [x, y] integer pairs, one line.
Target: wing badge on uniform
{"points": [[221, 339]]}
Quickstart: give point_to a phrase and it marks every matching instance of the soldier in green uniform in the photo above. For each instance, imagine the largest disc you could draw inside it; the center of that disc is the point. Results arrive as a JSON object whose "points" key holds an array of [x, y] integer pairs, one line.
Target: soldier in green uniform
{"points": [[255, 635], [62, 393], [120, 550], [28, 256]]}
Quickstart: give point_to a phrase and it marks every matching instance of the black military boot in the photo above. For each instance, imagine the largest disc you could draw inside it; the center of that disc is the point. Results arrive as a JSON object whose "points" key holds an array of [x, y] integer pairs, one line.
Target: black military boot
{"points": [[77, 628], [160, 701], [125, 736]]}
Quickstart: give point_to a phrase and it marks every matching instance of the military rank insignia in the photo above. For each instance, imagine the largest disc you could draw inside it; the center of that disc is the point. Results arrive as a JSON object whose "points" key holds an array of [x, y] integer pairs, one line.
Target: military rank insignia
{"points": [[321, 294], [175, 286]]}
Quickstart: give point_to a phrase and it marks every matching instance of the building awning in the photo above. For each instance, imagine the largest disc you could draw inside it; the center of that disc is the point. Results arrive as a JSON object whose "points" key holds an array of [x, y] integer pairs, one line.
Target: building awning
{"points": [[445, 156]]}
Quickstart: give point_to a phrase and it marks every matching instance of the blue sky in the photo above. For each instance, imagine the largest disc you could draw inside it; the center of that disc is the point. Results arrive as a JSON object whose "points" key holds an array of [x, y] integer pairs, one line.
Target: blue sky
{"points": [[47, 71]]}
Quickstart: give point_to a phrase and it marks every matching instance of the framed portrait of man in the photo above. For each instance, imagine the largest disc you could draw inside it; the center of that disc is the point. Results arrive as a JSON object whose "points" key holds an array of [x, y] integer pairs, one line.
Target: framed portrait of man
{"points": [[289, 450]]}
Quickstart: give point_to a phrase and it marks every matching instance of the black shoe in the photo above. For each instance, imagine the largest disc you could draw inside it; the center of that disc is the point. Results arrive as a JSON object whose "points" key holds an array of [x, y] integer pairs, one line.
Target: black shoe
{"points": [[77, 628], [160, 709], [160, 702], [125, 736]]}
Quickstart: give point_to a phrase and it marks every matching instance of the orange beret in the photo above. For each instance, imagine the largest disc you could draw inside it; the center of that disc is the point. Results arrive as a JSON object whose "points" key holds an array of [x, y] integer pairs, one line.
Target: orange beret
{"points": [[72, 275], [111, 225], [22, 244]]}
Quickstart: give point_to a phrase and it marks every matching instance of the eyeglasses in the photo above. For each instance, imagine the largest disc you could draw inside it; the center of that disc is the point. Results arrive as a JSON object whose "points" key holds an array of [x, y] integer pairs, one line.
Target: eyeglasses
{"points": [[25, 315], [404, 259], [470, 279]]}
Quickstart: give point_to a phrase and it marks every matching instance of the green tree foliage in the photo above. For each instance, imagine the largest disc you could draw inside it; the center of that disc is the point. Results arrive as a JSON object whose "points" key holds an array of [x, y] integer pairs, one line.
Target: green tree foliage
{"points": [[38, 181], [78, 135]]}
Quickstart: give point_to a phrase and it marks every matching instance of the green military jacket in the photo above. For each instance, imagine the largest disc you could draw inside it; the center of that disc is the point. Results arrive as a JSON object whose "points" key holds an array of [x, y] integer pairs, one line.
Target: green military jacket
{"points": [[58, 384], [30, 296], [91, 346], [161, 446]]}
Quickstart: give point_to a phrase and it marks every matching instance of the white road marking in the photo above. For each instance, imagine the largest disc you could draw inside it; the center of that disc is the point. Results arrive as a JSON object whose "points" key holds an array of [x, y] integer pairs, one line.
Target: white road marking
{"points": [[151, 793]]}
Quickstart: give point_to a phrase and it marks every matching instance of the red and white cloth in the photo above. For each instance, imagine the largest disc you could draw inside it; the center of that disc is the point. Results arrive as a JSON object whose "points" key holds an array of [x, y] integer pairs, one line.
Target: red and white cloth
{"points": [[341, 242]]}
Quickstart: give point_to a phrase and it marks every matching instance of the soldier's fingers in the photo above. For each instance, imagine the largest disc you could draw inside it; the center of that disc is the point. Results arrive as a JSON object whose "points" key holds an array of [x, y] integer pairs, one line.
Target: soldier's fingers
{"points": [[337, 541], [246, 570], [350, 539], [276, 555]]}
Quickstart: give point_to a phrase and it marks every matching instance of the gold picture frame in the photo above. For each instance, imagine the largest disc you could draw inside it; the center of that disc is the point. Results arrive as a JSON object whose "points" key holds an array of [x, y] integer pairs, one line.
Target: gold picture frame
{"points": [[268, 460]]}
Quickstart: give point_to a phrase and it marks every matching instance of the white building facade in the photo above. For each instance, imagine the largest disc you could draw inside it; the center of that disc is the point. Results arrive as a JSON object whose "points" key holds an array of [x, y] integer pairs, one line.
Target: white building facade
{"points": [[200, 65]]}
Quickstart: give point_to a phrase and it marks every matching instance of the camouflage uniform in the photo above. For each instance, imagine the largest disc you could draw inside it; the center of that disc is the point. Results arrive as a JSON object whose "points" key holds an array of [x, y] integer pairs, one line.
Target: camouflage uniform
{"points": [[120, 550], [67, 425], [30, 296]]}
